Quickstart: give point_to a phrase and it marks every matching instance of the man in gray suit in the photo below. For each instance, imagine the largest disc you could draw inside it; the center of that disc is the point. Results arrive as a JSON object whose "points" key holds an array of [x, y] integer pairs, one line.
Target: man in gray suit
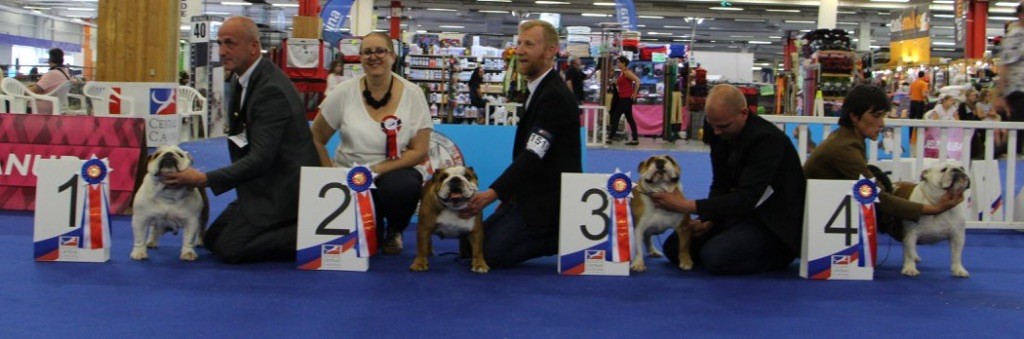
{"points": [[269, 141]]}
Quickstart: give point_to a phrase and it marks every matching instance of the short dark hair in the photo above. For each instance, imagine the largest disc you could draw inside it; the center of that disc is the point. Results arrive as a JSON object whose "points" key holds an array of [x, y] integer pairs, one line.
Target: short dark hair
{"points": [[1020, 8], [623, 59], [921, 74], [56, 56], [863, 99]]}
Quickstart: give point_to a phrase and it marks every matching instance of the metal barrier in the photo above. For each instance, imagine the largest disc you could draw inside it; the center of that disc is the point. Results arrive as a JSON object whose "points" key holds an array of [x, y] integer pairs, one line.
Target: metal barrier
{"points": [[1013, 219], [595, 120]]}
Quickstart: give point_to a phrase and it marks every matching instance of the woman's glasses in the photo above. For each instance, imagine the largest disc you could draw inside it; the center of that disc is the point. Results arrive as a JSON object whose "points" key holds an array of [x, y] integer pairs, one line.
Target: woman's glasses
{"points": [[379, 52]]}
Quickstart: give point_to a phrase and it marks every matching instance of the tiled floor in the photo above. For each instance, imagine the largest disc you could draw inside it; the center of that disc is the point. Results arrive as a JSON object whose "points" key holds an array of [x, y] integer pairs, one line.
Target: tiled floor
{"points": [[647, 143]]}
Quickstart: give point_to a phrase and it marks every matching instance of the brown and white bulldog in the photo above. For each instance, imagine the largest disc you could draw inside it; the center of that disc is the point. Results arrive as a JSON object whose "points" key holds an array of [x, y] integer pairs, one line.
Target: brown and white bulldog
{"points": [[159, 208], [659, 173], [446, 194]]}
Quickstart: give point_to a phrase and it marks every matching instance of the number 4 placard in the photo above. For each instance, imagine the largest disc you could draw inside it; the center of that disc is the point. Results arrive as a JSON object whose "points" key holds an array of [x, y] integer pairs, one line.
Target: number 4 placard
{"points": [[839, 230], [336, 219], [595, 232], [72, 221]]}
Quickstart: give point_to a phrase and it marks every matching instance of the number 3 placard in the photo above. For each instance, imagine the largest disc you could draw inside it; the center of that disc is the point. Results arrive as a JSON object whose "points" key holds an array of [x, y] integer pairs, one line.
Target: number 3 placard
{"points": [[72, 221], [329, 236], [593, 239], [838, 231]]}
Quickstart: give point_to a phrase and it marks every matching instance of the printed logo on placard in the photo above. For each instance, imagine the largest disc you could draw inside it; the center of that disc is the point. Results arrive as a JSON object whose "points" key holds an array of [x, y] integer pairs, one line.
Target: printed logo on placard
{"points": [[69, 241], [841, 260], [594, 261], [161, 101], [330, 257], [68, 247]]}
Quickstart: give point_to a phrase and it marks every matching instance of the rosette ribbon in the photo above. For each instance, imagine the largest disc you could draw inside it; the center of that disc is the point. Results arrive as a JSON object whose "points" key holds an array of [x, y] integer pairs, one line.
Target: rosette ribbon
{"points": [[96, 214], [360, 180], [865, 191], [620, 188], [391, 125]]}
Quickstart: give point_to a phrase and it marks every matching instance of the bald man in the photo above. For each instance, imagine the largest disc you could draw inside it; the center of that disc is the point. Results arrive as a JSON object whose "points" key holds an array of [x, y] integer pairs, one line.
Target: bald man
{"points": [[752, 220], [269, 141]]}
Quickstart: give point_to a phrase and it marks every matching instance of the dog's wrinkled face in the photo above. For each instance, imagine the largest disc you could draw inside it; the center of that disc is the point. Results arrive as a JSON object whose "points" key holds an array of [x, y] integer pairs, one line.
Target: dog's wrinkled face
{"points": [[168, 159], [659, 173], [455, 185], [949, 176]]}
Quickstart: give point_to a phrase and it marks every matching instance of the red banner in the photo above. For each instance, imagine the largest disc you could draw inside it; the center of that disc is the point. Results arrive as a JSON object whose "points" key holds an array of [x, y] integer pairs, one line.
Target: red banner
{"points": [[26, 138]]}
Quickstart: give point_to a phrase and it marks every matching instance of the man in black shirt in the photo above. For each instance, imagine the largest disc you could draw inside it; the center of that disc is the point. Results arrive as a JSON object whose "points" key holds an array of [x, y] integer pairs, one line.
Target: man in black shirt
{"points": [[574, 78]]}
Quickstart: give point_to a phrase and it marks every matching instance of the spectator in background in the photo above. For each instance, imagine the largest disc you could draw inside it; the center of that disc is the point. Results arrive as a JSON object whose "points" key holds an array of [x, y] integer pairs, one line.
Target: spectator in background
{"points": [[574, 78], [54, 78], [1011, 73], [918, 95], [476, 92], [337, 73], [627, 85]]}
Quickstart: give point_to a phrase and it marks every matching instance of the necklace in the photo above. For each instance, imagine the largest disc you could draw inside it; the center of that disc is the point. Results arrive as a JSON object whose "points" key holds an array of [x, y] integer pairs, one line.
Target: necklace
{"points": [[377, 103]]}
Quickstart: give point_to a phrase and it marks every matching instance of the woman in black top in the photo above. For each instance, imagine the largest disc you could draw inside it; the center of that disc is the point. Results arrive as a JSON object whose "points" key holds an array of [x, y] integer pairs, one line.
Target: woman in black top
{"points": [[476, 94]]}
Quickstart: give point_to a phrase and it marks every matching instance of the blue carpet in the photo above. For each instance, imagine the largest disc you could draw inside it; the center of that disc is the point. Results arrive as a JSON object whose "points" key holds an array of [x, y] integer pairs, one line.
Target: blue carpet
{"points": [[167, 298]]}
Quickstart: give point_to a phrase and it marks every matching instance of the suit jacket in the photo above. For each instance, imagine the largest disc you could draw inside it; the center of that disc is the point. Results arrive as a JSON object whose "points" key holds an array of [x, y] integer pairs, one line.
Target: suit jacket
{"points": [[760, 164], [843, 157], [265, 173], [547, 144]]}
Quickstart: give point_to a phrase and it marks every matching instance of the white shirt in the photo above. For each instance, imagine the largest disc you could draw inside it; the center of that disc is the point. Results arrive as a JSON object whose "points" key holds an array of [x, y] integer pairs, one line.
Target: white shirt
{"points": [[334, 80], [532, 86], [244, 79], [363, 141]]}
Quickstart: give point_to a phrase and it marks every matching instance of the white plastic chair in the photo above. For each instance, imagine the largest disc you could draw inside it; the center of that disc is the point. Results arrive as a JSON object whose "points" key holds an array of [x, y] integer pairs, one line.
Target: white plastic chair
{"points": [[99, 95], [16, 94], [58, 98], [190, 105]]}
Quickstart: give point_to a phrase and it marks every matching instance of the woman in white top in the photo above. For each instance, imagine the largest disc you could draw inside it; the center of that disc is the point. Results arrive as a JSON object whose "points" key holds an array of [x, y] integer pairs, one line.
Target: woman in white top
{"points": [[337, 74], [360, 110], [988, 113], [946, 109]]}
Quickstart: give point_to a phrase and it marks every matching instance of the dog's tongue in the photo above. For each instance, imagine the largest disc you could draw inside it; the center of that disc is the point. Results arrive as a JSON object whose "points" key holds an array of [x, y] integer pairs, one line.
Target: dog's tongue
{"points": [[454, 196]]}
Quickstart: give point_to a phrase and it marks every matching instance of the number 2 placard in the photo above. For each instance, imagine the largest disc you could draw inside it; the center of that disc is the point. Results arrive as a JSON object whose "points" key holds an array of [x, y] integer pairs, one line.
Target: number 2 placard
{"points": [[838, 230], [72, 221], [593, 239], [328, 232]]}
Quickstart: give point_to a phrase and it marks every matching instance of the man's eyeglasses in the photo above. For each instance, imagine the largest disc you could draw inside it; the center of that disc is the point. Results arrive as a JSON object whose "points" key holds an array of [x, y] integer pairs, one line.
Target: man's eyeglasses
{"points": [[380, 52]]}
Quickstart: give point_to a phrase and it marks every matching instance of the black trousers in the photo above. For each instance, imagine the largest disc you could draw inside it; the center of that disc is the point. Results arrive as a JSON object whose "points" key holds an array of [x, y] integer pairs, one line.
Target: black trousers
{"points": [[395, 200], [1015, 104], [622, 106], [745, 247], [916, 110], [233, 240], [508, 240]]}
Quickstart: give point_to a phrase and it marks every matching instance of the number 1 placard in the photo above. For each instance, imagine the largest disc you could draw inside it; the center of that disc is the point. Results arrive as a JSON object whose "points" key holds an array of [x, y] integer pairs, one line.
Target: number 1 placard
{"points": [[72, 221], [588, 241], [838, 231], [328, 237]]}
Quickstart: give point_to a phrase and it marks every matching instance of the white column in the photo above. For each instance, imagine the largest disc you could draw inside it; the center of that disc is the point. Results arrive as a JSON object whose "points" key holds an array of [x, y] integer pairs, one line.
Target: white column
{"points": [[827, 12], [362, 18], [864, 37]]}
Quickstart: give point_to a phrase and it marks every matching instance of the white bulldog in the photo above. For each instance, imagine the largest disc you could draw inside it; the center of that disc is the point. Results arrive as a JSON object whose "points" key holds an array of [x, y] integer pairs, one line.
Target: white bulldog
{"points": [[658, 174], [936, 181], [159, 209]]}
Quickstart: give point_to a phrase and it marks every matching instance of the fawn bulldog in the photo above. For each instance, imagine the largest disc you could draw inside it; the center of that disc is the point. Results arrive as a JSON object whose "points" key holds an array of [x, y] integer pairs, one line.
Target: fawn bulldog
{"points": [[936, 181], [658, 173], [159, 208], [444, 196]]}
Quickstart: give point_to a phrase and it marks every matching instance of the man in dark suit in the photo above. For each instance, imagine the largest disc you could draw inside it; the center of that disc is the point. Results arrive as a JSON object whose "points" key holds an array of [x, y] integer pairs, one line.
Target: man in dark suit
{"points": [[752, 220], [547, 144], [269, 141]]}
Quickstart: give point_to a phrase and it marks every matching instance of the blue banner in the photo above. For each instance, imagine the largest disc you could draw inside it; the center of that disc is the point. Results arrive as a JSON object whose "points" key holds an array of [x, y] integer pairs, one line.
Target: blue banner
{"points": [[334, 14], [625, 14]]}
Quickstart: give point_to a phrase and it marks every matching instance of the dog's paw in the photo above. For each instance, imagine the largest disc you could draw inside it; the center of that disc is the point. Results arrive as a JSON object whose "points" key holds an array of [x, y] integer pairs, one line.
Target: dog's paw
{"points": [[917, 259], [153, 244], [189, 255], [480, 267], [638, 267], [419, 265], [655, 253], [910, 271], [686, 265], [960, 272], [139, 254]]}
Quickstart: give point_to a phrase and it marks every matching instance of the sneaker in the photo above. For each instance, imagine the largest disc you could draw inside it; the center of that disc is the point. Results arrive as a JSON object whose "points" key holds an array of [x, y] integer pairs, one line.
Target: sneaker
{"points": [[393, 244], [632, 143]]}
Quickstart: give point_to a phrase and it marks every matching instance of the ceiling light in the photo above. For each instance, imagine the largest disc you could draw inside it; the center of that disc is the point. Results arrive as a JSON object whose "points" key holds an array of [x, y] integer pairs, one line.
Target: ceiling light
{"points": [[945, 2], [1002, 18], [596, 15], [759, 42], [641, 26], [676, 27], [235, 3], [285, 5], [452, 26], [650, 17], [719, 8], [420, 31], [81, 9], [946, 49], [544, 2], [442, 10], [494, 0], [943, 15], [217, 13], [799, 22], [492, 11], [658, 33], [604, 4], [184, 27], [783, 10], [899, 1], [37, 8], [775, 37], [846, 12], [943, 43], [1003, 4], [741, 36], [748, 20]]}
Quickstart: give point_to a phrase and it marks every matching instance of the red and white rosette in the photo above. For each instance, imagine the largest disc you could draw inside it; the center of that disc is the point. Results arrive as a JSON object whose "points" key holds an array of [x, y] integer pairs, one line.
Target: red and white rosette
{"points": [[866, 193], [96, 214], [391, 125], [620, 187], [360, 180]]}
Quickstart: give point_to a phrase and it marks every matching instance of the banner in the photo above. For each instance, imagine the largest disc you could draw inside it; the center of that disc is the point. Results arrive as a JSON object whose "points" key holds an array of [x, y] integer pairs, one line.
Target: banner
{"points": [[625, 14], [333, 15], [910, 23], [960, 9]]}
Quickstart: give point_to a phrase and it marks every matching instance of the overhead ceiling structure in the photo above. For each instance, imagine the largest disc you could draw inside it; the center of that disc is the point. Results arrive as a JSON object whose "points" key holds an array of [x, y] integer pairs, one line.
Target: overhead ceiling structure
{"points": [[754, 26]]}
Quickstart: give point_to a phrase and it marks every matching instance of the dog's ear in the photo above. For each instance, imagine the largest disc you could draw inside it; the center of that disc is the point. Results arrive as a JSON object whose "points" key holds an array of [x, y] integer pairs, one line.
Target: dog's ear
{"points": [[640, 167], [470, 174]]}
